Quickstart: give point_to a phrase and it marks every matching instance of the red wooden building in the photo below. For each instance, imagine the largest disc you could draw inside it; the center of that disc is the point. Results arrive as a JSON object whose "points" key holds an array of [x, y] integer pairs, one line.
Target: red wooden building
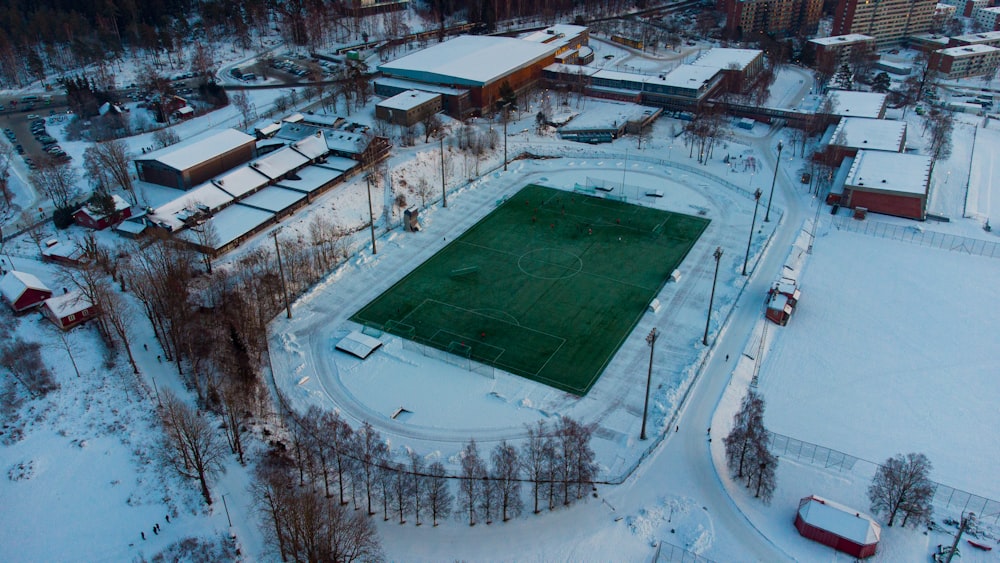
{"points": [[837, 526], [781, 301], [86, 216], [68, 310], [23, 291]]}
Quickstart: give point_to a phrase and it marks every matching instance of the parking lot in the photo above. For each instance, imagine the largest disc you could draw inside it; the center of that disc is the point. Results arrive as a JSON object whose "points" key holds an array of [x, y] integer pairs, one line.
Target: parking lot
{"points": [[29, 132]]}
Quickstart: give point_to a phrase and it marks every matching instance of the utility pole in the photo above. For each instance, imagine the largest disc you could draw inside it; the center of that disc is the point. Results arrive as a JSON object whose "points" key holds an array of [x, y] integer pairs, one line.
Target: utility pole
{"points": [[967, 521], [281, 272], [718, 256], [444, 193], [767, 216], [226, 506], [753, 223], [651, 340], [371, 215]]}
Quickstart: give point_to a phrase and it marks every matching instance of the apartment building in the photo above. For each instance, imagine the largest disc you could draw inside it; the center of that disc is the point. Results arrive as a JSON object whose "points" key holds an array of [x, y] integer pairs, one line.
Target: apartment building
{"points": [[746, 18], [888, 21], [965, 61]]}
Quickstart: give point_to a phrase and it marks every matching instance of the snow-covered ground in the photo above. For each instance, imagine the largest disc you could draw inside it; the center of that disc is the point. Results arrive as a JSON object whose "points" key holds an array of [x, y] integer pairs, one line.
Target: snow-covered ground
{"points": [[890, 351]]}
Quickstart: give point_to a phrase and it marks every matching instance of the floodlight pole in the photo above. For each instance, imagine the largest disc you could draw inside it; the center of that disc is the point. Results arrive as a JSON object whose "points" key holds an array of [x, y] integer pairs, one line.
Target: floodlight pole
{"points": [[281, 272], [753, 223], [718, 256], [505, 110], [624, 170], [767, 216], [444, 193], [651, 340], [371, 214]]}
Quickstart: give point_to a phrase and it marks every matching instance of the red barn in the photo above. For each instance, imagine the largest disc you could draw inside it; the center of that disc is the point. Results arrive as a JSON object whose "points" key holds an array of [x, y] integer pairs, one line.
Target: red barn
{"points": [[23, 291], [837, 526], [88, 217], [69, 310]]}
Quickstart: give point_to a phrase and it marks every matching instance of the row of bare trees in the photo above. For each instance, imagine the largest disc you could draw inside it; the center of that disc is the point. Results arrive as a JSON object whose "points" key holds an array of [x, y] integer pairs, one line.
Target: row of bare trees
{"points": [[332, 460]]}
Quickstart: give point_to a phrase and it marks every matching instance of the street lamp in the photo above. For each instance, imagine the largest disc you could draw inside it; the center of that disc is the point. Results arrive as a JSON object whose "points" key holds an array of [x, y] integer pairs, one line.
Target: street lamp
{"points": [[767, 216], [371, 216], [651, 340], [753, 223], [718, 256]]}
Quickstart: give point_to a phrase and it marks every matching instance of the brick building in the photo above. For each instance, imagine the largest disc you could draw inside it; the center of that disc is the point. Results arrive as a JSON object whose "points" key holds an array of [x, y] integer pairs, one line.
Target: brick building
{"points": [[196, 160], [831, 52], [408, 108], [746, 18], [965, 61], [888, 21]]}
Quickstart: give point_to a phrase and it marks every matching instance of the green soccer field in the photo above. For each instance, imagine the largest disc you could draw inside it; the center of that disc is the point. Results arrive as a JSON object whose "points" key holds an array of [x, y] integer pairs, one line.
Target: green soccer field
{"points": [[547, 286]]}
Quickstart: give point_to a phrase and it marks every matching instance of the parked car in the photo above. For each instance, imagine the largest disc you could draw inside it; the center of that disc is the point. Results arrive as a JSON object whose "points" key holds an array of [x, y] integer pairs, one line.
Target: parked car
{"points": [[45, 140], [19, 149], [32, 116]]}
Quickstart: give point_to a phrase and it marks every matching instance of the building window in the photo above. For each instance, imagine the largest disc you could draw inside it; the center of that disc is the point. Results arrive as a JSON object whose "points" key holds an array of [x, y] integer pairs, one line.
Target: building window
{"points": [[71, 318]]}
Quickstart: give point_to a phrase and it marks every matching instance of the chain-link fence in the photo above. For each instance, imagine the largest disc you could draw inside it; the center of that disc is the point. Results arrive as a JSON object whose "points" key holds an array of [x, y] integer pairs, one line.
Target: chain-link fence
{"points": [[450, 358], [918, 235], [955, 501], [786, 446], [666, 551]]}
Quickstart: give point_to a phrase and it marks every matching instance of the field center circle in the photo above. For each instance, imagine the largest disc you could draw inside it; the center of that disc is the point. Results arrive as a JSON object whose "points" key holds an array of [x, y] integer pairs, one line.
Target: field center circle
{"points": [[550, 264]]}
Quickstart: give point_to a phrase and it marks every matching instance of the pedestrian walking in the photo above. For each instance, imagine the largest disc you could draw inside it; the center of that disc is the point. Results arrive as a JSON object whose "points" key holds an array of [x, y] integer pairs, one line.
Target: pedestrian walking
{"points": [[154, 531], [145, 347], [143, 534], [727, 357], [159, 359], [677, 429], [168, 518]]}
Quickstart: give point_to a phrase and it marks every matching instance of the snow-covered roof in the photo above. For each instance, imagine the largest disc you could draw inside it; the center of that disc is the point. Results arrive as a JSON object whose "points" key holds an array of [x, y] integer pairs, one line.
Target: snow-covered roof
{"points": [[345, 141], [241, 181], [131, 227], [233, 222], [311, 178], [848, 39], [63, 250], [67, 304], [471, 60], [14, 284], [120, 205], [723, 58], [274, 199], [866, 133], [269, 129], [983, 37], [358, 344], [278, 163], [340, 163], [890, 171], [205, 198], [838, 519], [556, 35], [607, 115], [294, 118], [322, 120], [196, 150], [686, 76], [411, 85], [968, 50], [312, 147], [408, 100], [858, 104]]}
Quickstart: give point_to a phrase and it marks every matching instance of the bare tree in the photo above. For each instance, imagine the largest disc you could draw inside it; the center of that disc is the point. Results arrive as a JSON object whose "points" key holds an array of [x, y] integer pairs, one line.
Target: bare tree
{"points": [[23, 360], [113, 157], [165, 137], [506, 476], [902, 484], [576, 457], [536, 454], [371, 454], [402, 492], [432, 124], [419, 484], [6, 157], [940, 124], [233, 400], [241, 101], [56, 180], [473, 471], [438, 494], [191, 445]]}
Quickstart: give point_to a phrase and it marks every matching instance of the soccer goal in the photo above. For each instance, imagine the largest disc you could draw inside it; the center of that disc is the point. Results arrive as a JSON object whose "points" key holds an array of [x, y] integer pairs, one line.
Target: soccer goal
{"points": [[400, 329]]}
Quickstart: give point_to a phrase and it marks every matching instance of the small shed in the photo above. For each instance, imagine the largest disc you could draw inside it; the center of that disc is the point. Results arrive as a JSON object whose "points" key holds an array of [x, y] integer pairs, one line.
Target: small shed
{"points": [[359, 344], [23, 291], [837, 526], [68, 310]]}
